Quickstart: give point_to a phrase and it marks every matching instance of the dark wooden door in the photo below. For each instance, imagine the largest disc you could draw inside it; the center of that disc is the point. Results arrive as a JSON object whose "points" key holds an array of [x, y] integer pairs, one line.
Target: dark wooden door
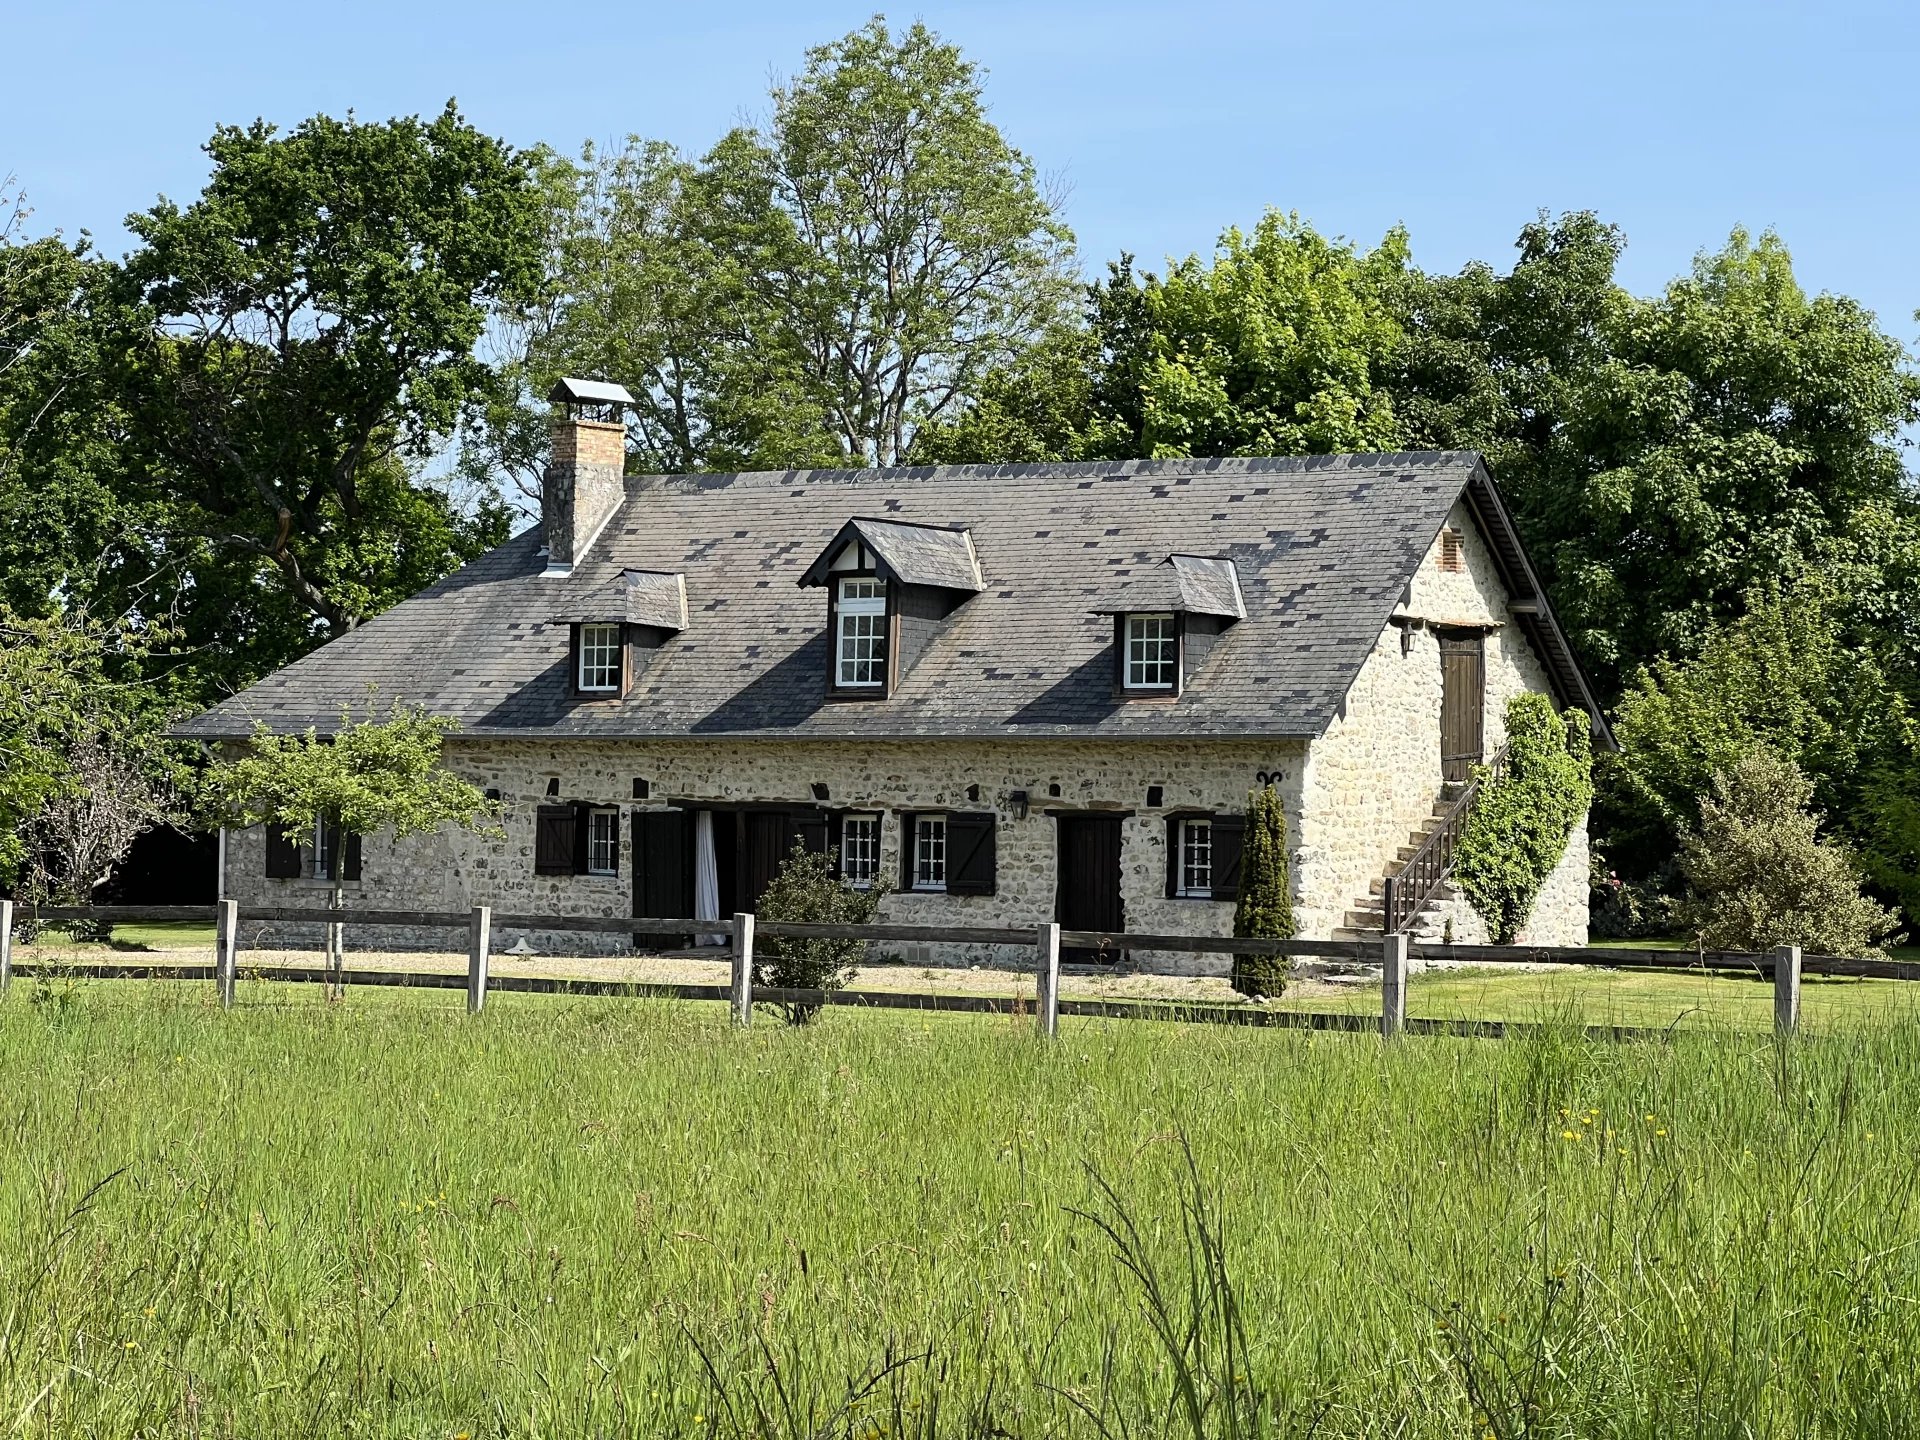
{"points": [[1463, 699], [1087, 893], [662, 872], [763, 845]]}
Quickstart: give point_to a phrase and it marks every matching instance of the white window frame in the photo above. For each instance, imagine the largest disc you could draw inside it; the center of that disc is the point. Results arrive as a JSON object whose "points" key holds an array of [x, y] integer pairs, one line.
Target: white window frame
{"points": [[599, 656], [869, 855], [860, 614], [324, 863], [1187, 836], [608, 842], [930, 854], [1140, 660]]}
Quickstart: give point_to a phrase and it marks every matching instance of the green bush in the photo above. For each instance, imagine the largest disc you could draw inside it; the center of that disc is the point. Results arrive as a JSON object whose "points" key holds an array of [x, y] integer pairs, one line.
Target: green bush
{"points": [[1264, 908], [1760, 876], [1518, 828], [808, 890]]}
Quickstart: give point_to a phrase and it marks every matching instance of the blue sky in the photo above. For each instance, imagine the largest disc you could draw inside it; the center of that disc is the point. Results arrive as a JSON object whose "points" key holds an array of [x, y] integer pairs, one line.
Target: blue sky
{"points": [[1165, 122]]}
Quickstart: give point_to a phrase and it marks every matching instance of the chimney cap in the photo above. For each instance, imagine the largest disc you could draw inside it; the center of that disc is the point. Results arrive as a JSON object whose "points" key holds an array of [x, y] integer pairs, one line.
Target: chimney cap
{"points": [[589, 392]]}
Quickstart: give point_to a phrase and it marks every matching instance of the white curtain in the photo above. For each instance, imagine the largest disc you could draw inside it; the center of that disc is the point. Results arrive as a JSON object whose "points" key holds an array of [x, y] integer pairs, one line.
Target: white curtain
{"points": [[706, 876]]}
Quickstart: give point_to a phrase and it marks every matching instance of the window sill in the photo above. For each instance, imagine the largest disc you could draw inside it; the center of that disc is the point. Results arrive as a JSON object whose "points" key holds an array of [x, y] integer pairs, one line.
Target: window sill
{"points": [[928, 890], [308, 882]]}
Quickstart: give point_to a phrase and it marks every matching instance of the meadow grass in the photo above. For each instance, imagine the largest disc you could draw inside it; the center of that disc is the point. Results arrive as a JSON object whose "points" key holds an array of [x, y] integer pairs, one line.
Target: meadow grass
{"points": [[610, 1218]]}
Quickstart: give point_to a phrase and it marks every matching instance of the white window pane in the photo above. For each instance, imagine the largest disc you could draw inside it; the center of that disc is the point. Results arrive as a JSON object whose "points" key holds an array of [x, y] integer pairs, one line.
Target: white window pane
{"points": [[1196, 857], [1152, 652], [930, 853], [860, 849], [599, 657]]}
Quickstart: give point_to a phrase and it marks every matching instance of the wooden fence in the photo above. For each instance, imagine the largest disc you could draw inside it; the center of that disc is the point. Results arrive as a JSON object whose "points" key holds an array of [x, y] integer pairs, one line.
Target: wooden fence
{"points": [[1392, 953]]}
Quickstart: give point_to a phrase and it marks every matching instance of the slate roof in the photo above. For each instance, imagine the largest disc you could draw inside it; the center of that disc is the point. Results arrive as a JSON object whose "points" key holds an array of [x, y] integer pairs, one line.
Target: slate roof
{"points": [[1323, 548]]}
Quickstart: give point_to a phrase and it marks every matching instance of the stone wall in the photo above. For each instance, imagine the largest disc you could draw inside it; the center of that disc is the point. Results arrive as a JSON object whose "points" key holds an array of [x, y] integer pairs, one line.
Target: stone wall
{"points": [[453, 872]]}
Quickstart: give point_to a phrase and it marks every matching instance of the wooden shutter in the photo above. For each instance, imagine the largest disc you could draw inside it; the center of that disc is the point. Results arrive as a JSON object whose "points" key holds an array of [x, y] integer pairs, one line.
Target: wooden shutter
{"points": [[573, 659], [663, 864], [555, 837], [1173, 855], [350, 858], [970, 854], [1229, 832], [581, 822], [810, 829], [909, 826], [283, 855]]}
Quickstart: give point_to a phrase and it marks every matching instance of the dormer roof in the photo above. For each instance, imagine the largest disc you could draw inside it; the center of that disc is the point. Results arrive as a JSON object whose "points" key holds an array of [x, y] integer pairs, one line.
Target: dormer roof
{"points": [[1181, 585], [631, 597], [910, 553]]}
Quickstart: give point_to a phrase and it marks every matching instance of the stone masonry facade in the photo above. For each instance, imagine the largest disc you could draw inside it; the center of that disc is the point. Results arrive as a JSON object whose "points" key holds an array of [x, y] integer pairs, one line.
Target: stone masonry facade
{"points": [[1353, 797]]}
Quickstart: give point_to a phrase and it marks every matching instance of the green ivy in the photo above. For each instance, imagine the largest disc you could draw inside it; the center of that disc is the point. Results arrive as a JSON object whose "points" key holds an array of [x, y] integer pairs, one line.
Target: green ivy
{"points": [[1518, 828], [1264, 908]]}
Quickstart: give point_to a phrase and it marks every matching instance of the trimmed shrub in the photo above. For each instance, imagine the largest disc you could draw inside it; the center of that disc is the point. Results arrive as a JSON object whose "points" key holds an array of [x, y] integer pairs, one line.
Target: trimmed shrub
{"points": [[1264, 908], [1760, 876], [808, 890], [1518, 828]]}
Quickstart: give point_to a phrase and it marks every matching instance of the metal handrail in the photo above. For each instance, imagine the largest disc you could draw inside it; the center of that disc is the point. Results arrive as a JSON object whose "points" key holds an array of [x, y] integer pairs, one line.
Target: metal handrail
{"points": [[1414, 883]]}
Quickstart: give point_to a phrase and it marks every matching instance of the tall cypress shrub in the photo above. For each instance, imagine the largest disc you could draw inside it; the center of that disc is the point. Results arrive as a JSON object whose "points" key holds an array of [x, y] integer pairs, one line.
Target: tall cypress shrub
{"points": [[1264, 908]]}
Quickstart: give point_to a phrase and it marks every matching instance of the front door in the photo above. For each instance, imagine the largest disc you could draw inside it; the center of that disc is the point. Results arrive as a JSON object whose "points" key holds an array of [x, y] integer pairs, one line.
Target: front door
{"points": [[1087, 893], [1463, 698]]}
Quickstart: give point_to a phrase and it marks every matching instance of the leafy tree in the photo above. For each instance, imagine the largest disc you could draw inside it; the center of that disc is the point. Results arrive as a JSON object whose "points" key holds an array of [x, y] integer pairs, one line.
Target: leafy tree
{"points": [[1518, 828], [807, 890], [813, 291], [79, 738], [296, 342], [1786, 675], [1760, 876], [1264, 907], [366, 777], [1664, 455]]}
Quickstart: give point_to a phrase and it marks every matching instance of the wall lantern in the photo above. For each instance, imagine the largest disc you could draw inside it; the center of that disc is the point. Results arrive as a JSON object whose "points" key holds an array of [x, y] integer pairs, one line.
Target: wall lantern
{"points": [[1018, 799]]}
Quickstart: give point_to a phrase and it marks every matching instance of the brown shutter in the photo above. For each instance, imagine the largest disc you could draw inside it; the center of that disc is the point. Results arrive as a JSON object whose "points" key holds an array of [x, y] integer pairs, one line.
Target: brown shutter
{"points": [[970, 854], [1229, 832], [555, 831], [1173, 855], [810, 828], [350, 858], [283, 855], [573, 659], [908, 827]]}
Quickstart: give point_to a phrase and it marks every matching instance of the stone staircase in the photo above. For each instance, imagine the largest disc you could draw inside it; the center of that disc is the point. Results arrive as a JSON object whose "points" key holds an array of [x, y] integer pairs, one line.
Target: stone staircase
{"points": [[1366, 919]]}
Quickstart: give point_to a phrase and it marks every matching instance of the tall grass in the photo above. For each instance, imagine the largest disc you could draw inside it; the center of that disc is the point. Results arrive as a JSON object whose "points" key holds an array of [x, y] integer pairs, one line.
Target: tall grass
{"points": [[619, 1218]]}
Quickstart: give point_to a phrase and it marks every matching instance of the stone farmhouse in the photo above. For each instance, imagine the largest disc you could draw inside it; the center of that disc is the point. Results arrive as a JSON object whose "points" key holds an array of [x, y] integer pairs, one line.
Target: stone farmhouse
{"points": [[1009, 694]]}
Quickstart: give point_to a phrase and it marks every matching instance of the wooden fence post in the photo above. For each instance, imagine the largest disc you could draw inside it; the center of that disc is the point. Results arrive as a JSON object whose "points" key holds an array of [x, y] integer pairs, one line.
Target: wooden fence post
{"points": [[1786, 989], [226, 943], [1394, 950], [479, 950], [1047, 983], [6, 945], [743, 969]]}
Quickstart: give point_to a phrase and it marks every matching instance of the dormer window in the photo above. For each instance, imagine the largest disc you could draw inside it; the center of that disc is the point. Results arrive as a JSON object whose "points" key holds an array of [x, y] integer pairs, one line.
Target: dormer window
{"points": [[891, 584], [1153, 652], [1167, 618], [860, 640], [599, 660]]}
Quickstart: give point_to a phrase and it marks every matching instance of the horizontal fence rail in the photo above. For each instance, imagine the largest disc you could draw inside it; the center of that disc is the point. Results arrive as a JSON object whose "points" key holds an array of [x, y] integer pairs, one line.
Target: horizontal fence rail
{"points": [[1392, 953]]}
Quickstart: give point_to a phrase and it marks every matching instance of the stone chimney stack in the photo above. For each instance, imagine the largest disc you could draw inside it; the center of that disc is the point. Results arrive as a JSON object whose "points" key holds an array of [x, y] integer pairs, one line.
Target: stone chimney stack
{"points": [[585, 478]]}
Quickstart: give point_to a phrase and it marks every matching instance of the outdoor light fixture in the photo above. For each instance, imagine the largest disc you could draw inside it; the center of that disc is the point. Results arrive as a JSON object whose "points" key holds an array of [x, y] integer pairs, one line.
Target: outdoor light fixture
{"points": [[819, 790], [553, 786], [1018, 800]]}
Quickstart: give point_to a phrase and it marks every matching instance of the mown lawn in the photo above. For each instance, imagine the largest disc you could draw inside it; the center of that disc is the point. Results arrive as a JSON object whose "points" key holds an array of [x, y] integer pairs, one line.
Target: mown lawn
{"points": [[571, 1218]]}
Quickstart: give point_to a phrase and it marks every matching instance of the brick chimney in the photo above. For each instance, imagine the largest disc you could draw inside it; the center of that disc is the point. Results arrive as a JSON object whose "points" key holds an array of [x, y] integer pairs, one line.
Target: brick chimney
{"points": [[585, 477]]}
